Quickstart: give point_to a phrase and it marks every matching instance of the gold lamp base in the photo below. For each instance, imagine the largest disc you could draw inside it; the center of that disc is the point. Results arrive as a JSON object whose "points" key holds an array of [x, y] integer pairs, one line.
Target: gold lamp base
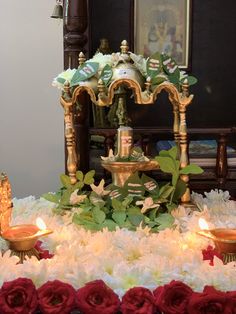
{"points": [[23, 254], [121, 171], [225, 242]]}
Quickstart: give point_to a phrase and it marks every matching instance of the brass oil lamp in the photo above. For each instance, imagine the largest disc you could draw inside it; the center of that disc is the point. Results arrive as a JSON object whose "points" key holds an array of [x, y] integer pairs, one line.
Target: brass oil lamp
{"points": [[21, 238], [224, 240]]}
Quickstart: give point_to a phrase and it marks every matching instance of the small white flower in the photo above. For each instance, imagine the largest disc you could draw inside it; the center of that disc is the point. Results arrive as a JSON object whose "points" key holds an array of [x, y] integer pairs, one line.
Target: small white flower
{"points": [[110, 157], [65, 75], [76, 199], [99, 189], [147, 204]]}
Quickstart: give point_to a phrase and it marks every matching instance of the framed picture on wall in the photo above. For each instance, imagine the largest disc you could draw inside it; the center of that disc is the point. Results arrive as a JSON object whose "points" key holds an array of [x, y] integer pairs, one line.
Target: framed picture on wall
{"points": [[164, 26]]}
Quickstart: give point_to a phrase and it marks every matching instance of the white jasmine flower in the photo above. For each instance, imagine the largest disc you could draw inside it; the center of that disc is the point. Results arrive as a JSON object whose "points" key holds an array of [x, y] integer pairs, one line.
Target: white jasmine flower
{"points": [[76, 198], [101, 59], [99, 189], [147, 204], [110, 157]]}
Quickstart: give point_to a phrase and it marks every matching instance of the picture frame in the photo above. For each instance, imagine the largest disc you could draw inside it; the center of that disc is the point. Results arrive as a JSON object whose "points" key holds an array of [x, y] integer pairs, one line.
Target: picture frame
{"points": [[164, 26]]}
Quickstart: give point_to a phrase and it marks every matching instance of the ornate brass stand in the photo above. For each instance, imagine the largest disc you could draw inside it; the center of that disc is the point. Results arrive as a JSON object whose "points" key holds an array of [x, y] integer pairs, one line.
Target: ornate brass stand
{"points": [[130, 77]]}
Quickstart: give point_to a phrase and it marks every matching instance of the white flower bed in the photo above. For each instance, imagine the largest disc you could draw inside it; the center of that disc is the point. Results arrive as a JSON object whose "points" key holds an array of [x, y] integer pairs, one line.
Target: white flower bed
{"points": [[123, 258]]}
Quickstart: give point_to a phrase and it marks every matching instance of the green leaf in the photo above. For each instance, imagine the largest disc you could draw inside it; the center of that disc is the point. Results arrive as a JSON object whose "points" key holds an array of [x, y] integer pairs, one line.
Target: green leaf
{"points": [[98, 215], [165, 191], [117, 205], [61, 80], [158, 80], [96, 200], [84, 72], [191, 169], [150, 184], [65, 198], [119, 217], [136, 219], [180, 189], [173, 152], [170, 66], [79, 185], [191, 80], [54, 198], [127, 201], [110, 224], [79, 175], [106, 74], [88, 178], [165, 221], [167, 164], [65, 180], [134, 186], [154, 65]]}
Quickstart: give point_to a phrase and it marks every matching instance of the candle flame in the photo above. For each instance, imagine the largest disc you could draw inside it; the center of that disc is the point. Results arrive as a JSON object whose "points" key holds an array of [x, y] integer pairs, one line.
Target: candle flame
{"points": [[203, 224], [40, 223]]}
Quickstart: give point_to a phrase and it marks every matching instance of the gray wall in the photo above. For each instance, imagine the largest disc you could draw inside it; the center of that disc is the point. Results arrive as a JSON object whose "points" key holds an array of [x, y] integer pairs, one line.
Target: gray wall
{"points": [[31, 119]]}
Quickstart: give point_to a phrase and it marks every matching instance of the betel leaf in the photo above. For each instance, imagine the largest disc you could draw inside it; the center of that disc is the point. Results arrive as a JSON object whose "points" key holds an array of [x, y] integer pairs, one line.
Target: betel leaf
{"points": [[65, 180], [106, 74], [84, 72], [154, 65], [79, 175], [191, 169], [98, 215], [88, 178], [134, 186], [150, 184], [61, 80], [170, 66], [119, 217]]}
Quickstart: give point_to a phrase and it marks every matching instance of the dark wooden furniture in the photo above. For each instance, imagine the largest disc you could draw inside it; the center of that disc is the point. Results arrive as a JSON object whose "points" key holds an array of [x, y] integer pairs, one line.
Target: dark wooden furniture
{"points": [[218, 175], [80, 34]]}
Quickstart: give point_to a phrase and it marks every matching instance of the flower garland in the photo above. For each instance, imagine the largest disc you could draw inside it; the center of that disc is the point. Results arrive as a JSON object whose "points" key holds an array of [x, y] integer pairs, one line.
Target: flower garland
{"points": [[55, 297]]}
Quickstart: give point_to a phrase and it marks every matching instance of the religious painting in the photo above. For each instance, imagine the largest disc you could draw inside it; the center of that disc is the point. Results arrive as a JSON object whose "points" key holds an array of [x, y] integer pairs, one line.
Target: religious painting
{"points": [[163, 25]]}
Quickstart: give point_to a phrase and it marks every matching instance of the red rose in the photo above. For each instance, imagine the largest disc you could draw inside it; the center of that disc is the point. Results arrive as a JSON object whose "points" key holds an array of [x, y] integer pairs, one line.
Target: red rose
{"points": [[56, 297], [97, 298], [138, 300], [18, 297], [208, 302], [232, 299], [173, 298]]}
